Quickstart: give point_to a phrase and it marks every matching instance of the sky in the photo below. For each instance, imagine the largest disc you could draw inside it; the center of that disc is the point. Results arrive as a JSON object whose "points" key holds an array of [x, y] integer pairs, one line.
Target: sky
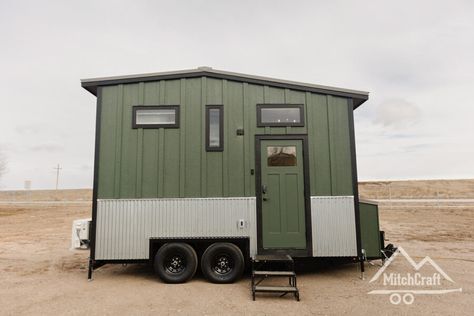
{"points": [[416, 58]]}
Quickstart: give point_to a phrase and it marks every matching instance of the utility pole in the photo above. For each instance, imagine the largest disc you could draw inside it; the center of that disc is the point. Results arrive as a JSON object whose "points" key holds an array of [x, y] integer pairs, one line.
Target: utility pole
{"points": [[57, 175], [390, 194]]}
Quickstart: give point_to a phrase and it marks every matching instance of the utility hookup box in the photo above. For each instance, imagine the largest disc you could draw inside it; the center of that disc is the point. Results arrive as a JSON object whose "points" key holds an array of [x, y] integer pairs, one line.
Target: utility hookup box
{"points": [[80, 234]]}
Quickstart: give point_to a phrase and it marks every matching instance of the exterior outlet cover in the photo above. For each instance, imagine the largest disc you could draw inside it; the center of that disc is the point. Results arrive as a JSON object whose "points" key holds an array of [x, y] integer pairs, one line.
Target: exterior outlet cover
{"points": [[241, 223]]}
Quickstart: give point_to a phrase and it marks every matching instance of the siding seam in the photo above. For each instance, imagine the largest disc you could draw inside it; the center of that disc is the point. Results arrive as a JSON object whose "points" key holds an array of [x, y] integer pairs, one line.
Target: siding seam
{"points": [[139, 157], [182, 138], [118, 141], [203, 138], [329, 144]]}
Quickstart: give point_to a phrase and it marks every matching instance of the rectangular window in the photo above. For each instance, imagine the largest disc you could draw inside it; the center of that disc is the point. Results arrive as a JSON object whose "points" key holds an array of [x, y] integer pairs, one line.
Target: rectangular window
{"points": [[153, 116], [280, 115], [281, 156], [214, 128]]}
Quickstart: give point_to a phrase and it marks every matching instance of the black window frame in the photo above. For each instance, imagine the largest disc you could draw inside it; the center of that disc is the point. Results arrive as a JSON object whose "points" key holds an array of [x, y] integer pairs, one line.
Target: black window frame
{"points": [[279, 106], [155, 107], [219, 107]]}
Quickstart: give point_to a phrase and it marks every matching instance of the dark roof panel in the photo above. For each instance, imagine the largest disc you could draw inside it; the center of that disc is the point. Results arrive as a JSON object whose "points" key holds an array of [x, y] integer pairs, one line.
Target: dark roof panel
{"points": [[91, 85]]}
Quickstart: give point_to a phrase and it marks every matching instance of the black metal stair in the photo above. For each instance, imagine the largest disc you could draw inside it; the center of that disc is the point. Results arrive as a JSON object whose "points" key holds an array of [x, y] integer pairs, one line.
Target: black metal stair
{"points": [[265, 266]]}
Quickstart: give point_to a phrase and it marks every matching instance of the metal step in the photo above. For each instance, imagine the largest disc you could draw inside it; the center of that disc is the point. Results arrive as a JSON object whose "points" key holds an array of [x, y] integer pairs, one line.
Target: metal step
{"points": [[269, 258], [274, 273], [267, 266], [260, 288]]}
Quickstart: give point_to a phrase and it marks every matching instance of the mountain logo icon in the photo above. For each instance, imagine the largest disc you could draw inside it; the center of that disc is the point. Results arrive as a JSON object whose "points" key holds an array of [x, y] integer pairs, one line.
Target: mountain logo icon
{"points": [[416, 279], [416, 266]]}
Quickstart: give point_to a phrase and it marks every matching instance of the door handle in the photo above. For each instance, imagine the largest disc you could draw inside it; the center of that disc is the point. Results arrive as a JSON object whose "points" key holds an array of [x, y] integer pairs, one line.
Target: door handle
{"points": [[264, 191]]}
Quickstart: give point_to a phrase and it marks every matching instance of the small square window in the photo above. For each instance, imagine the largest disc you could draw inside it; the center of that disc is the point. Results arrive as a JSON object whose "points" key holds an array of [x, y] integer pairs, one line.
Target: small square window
{"points": [[214, 128], [155, 116], [280, 115]]}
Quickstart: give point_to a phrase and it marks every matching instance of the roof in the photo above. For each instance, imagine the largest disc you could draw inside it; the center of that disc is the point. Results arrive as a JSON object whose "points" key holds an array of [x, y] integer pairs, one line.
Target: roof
{"points": [[91, 85]]}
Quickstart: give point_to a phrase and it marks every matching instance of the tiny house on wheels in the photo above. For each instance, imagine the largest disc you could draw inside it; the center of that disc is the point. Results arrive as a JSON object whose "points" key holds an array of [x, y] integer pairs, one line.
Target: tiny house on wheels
{"points": [[212, 168]]}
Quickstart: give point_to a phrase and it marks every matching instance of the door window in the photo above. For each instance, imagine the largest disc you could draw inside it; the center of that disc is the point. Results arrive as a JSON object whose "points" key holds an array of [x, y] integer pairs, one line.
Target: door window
{"points": [[281, 156]]}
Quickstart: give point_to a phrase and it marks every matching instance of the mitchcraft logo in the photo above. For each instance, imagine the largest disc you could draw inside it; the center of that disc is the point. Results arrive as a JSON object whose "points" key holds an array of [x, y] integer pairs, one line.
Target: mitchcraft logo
{"points": [[408, 284]]}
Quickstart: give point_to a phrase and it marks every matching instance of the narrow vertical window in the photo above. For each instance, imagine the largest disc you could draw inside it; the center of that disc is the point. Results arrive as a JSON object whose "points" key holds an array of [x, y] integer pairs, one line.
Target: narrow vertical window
{"points": [[214, 128]]}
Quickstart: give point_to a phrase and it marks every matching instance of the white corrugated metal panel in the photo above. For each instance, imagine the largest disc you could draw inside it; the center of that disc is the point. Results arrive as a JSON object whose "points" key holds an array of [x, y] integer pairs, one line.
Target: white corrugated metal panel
{"points": [[124, 226], [333, 226]]}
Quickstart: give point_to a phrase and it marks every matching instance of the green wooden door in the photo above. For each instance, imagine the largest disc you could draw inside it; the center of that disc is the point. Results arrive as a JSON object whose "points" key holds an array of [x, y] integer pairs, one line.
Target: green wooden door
{"points": [[283, 201]]}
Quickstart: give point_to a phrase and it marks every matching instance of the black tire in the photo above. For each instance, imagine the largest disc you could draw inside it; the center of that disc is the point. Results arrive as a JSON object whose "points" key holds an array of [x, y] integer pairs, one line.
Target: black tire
{"points": [[222, 263], [175, 262]]}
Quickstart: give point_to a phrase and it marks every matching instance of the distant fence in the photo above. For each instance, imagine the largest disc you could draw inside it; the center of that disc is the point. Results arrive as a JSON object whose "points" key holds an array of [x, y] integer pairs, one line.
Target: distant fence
{"points": [[426, 203], [76, 202]]}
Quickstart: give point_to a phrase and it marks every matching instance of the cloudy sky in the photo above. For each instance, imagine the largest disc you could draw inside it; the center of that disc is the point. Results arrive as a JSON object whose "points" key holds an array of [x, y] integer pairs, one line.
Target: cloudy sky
{"points": [[415, 57]]}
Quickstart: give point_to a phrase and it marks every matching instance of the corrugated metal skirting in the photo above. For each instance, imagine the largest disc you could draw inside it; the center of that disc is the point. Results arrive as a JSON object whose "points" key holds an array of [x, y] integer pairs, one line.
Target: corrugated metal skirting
{"points": [[333, 226], [124, 226]]}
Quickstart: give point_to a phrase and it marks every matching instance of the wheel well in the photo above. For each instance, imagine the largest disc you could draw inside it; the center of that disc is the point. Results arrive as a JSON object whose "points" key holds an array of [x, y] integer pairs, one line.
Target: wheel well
{"points": [[201, 244]]}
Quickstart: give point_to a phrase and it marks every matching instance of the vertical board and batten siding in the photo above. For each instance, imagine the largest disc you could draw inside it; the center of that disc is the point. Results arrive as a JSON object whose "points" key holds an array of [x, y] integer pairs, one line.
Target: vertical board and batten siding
{"points": [[168, 163], [333, 226], [124, 227]]}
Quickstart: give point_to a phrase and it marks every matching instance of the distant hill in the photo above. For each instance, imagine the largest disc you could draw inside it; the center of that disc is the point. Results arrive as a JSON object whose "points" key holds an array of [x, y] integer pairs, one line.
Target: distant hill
{"points": [[47, 195], [443, 189], [406, 189]]}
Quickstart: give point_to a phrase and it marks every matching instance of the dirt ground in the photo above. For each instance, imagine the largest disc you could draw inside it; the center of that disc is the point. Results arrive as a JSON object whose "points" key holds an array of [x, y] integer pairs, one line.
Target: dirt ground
{"points": [[40, 275]]}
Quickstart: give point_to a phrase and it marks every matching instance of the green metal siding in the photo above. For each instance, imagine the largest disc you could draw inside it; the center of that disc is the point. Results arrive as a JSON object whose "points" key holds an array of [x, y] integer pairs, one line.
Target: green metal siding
{"points": [[149, 163], [369, 229], [339, 145]]}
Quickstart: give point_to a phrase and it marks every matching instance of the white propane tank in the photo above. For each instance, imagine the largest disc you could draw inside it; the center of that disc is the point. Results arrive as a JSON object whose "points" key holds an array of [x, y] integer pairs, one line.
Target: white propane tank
{"points": [[80, 234]]}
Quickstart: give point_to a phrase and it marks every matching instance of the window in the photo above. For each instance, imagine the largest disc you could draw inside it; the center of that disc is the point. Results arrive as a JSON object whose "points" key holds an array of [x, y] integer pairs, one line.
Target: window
{"points": [[214, 128], [154, 116], [281, 156], [280, 115]]}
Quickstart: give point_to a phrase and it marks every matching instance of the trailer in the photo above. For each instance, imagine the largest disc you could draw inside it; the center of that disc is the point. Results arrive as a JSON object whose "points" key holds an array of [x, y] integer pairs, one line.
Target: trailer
{"points": [[211, 168]]}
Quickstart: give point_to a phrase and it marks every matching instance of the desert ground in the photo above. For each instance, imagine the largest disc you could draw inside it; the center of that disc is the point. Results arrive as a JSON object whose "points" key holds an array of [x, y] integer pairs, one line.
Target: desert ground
{"points": [[39, 274]]}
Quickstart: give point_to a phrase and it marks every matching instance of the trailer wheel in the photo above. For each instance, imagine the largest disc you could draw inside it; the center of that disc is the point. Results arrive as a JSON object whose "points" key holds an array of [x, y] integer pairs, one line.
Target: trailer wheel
{"points": [[175, 262], [222, 263]]}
